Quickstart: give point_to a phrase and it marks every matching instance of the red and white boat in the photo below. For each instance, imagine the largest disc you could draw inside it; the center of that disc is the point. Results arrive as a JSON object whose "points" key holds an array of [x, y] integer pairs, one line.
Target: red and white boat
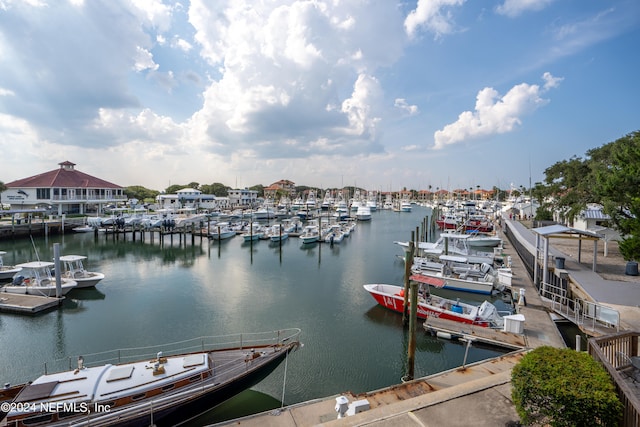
{"points": [[392, 297]]}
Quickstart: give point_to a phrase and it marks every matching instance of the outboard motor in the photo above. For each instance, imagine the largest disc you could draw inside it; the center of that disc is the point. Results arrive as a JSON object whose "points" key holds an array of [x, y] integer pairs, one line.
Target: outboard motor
{"points": [[489, 313]]}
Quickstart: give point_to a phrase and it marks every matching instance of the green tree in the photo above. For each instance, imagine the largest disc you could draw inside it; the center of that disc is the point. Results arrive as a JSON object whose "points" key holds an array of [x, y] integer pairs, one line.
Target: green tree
{"points": [[216, 189], [173, 189], [259, 188], [3, 187], [570, 182], [563, 387], [616, 167], [141, 193]]}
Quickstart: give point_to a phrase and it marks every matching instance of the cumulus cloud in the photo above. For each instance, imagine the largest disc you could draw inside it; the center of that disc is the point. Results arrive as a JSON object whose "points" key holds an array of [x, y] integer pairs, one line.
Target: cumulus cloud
{"points": [[403, 105], [513, 8], [295, 78], [432, 15], [495, 114]]}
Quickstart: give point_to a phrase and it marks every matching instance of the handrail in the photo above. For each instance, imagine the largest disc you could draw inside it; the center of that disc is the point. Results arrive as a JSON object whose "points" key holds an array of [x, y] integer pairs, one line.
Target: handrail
{"points": [[199, 344], [579, 309]]}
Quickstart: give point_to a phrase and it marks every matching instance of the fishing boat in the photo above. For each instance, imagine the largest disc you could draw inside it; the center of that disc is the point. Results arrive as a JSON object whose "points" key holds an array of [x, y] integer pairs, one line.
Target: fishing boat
{"points": [[148, 385], [392, 297], [7, 271], [309, 234], [254, 231], [222, 231], [457, 273], [36, 278], [73, 268]]}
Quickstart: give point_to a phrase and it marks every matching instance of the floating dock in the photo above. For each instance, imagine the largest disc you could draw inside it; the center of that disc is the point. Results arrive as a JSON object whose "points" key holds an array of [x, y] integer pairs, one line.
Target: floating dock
{"points": [[27, 304], [449, 329]]}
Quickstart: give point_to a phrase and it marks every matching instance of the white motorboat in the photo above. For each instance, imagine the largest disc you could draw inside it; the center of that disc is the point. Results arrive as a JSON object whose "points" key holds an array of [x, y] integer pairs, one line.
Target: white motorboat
{"points": [[456, 273], [73, 268], [35, 278], [334, 234], [453, 244], [7, 271], [363, 213], [277, 233], [253, 231], [310, 234], [84, 229], [222, 231], [484, 241]]}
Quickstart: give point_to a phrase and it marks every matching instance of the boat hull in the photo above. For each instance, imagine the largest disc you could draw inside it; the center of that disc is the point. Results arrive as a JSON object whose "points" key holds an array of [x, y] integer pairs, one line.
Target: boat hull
{"points": [[472, 286], [172, 407], [7, 273], [389, 296], [90, 281], [47, 291]]}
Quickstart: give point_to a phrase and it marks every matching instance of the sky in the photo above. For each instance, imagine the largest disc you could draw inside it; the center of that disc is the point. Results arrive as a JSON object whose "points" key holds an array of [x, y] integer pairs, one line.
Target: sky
{"points": [[380, 94]]}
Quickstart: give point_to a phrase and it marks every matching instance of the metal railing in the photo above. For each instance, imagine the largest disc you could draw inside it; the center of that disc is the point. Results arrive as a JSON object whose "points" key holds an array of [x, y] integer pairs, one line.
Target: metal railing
{"points": [[613, 352], [208, 343], [586, 314]]}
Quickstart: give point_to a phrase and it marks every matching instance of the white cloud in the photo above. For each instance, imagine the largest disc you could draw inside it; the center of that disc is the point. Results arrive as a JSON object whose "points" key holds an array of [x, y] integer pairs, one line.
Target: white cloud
{"points": [[494, 114], [182, 44], [431, 15], [551, 81], [403, 105], [144, 60], [513, 8], [295, 78], [366, 93]]}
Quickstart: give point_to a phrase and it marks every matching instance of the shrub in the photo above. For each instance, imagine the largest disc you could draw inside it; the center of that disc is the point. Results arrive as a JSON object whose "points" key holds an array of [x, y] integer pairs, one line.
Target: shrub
{"points": [[563, 387]]}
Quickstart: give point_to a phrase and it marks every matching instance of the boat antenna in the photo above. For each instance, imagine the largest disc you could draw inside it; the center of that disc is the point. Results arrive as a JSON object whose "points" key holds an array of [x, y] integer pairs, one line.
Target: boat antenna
{"points": [[34, 248]]}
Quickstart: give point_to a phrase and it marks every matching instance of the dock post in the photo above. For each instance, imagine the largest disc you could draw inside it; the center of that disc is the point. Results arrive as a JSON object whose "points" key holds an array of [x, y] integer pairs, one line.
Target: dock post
{"points": [[408, 261], [56, 259], [413, 320]]}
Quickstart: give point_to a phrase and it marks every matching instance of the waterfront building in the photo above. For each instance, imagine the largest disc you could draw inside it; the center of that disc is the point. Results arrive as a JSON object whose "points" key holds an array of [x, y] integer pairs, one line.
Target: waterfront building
{"points": [[192, 198], [243, 198], [276, 189], [63, 191]]}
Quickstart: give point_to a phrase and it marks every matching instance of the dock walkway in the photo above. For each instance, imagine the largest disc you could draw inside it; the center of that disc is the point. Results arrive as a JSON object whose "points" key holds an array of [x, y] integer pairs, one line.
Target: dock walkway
{"points": [[27, 304]]}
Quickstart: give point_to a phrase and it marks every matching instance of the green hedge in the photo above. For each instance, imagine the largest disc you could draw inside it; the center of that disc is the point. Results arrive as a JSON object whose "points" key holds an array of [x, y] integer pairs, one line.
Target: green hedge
{"points": [[563, 387]]}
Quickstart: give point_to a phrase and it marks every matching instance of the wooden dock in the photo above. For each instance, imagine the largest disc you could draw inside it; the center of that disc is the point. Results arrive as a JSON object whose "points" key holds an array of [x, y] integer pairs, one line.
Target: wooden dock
{"points": [[450, 329], [27, 304]]}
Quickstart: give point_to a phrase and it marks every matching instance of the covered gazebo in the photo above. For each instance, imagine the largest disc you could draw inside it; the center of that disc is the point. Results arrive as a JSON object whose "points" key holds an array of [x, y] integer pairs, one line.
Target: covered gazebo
{"points": [[559, 231]]}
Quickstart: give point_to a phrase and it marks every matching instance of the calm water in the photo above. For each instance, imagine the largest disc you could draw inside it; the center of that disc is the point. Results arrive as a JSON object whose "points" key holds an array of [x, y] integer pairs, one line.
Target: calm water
{"points": [[156, 292]]}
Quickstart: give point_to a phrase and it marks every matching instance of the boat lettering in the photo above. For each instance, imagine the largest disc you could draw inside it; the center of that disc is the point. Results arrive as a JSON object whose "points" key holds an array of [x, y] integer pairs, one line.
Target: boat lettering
{"points": [[390, 302]]}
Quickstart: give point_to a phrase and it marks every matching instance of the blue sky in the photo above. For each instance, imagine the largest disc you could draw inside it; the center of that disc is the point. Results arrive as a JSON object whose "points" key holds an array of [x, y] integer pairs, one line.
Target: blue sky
{"points": [[380, 94]]}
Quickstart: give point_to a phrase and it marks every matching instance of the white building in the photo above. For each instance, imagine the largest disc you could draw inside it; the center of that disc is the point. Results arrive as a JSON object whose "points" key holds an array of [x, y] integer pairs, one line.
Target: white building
{"points": [[243, 198], [64, 190], [192, 198]]}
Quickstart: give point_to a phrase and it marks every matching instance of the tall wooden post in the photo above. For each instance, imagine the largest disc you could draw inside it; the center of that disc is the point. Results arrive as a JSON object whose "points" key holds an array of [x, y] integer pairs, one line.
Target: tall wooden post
{"points": [[408, 262], [413, 320]]}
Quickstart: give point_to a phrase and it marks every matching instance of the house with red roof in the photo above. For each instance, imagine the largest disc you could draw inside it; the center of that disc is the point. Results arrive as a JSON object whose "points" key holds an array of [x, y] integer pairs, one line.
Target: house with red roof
{"points": [[65, 190]]}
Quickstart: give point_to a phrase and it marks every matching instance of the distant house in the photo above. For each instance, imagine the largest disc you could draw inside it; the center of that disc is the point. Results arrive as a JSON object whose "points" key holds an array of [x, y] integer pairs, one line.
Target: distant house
{"points": [[191, 198], [243, 198], [64, 190], [595, 220], [271, 192]]}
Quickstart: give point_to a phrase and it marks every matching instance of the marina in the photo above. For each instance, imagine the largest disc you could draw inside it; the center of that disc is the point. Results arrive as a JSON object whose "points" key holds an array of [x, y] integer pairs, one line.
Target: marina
{"points": [[164, 289]]}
